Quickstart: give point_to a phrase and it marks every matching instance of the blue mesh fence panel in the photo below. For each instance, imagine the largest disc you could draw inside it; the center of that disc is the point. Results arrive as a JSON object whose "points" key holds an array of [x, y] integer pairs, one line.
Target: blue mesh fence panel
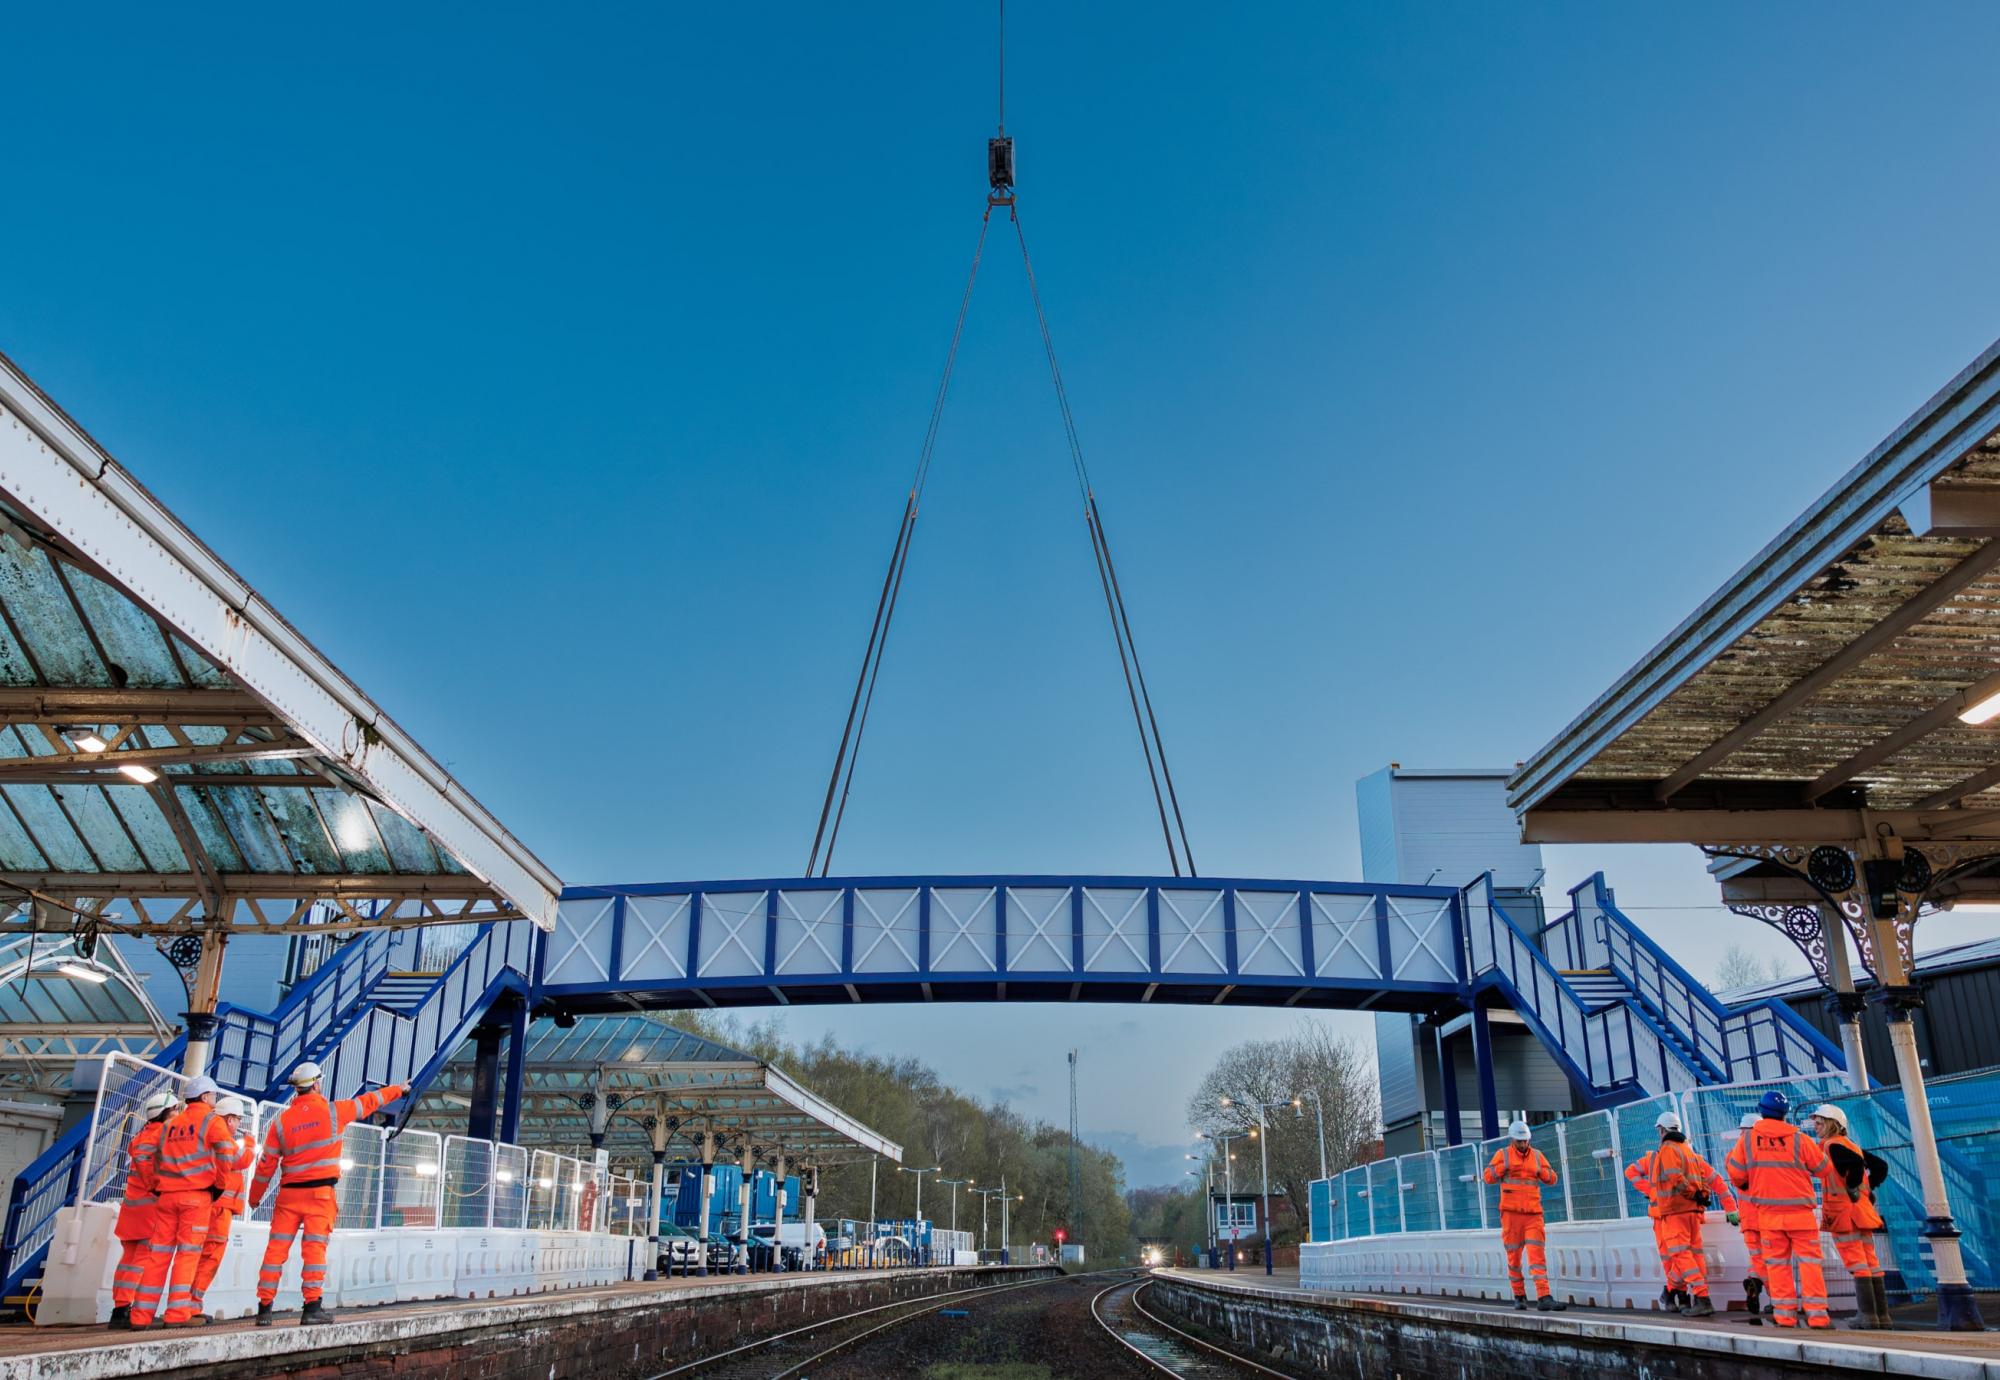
{"points": [[1384, 1201], [1319, 1209], [1590, 1168], [1354, 1201], [1420, 1192], [1458, 1167], [1637, 1136]]}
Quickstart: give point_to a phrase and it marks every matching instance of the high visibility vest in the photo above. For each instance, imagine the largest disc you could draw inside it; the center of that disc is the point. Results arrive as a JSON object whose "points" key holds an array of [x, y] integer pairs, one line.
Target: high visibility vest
{"points": [[142, 1156], [192, 1149], [1848, 1211], [1677, 1174], [230, 1178], [1738, 1154], [1775, 1165], [303, 1145], [1520, 1174]]}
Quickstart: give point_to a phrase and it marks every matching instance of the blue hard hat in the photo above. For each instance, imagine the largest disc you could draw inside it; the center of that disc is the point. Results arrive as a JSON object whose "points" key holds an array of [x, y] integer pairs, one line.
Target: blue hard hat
{"points": [[1774, 1104]]}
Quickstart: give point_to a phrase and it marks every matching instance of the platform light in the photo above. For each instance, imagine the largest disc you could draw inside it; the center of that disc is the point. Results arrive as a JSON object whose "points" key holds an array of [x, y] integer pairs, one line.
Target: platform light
{"points": [[346, 1163], [425, 1169], [145, 776], [1984, 711], [85, 738], [84, 972], [505, 1176]]}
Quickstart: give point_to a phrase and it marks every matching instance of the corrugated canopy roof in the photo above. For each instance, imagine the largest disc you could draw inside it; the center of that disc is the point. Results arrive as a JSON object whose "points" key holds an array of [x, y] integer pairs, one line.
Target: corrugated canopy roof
{"points": [[170, 743], [60, 1004], [1826, 677], [630, 1069]]}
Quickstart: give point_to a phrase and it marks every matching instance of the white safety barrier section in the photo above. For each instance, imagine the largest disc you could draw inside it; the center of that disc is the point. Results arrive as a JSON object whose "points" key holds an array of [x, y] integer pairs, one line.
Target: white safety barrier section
{"points": [[1611, 1264], [364, 1266]]}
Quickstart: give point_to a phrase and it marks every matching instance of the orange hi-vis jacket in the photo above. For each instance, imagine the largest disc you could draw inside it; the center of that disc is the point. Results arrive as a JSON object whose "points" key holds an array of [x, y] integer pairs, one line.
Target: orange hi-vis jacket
{"points": [[193, 1149], [1775, 1164], [230, 1182], [1849, 1208], [1520, 1170], [1670, 1176], [302, 1147], [135, 1212]]}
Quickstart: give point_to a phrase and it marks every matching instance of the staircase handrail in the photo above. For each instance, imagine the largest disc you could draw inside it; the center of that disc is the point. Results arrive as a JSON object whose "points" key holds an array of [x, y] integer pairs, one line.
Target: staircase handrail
{"points": [[253, 1050], [1710, 1025], [1612, 1083]]}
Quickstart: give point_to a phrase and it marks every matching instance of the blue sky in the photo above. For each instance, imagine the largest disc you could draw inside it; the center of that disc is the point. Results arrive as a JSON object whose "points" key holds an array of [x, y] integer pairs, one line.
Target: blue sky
{"points": [[562, 375]]}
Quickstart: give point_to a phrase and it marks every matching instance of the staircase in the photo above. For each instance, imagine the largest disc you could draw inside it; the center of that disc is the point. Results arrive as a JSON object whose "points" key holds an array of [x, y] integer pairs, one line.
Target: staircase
{"points": [[363, 1024], [1622, 1019]]}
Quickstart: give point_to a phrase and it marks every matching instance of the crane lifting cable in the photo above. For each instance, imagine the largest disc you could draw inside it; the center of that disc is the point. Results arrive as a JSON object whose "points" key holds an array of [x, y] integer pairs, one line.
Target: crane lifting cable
{"points": [[840, 783]]}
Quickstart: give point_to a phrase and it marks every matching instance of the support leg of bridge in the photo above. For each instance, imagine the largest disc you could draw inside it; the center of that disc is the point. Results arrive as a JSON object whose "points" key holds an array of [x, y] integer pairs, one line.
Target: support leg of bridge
{"points": [[517, 1072], [1482, 1058], [484, 1113], [1454, 1121]]}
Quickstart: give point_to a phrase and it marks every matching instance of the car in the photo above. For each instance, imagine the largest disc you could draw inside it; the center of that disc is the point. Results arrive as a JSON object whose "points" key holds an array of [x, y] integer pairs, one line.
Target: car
{"points": [[790, 1238]]}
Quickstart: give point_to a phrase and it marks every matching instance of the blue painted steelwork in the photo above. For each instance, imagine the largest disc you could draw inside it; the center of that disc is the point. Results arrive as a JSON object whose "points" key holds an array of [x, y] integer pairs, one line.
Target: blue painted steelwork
{"points": [[981, 938]]}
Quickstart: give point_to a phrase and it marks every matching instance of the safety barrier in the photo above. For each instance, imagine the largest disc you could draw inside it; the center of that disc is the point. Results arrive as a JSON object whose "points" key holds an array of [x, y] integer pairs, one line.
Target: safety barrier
{"points": [[1438, 1195]]}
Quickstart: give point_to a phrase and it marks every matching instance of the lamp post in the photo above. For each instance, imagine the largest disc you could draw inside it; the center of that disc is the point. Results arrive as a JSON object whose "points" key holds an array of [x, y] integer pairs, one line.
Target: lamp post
{"points": [[1207, 1175], [954, 1197], [1262, 1135], [986, 1197], [905, 1169], [1228, 1186], [1319, 1114]]}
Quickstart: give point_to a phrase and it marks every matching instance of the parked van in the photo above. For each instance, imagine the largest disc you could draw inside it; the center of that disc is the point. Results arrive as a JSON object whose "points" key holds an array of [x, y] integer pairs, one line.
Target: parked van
{"points": [[790, 1238]]}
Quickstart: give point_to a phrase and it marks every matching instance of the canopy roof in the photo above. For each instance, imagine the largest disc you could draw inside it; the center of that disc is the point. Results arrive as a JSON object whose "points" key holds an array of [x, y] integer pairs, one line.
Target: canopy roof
{"points": [[1816, 695], [172, 745], [629, 1069], [59, 1005]]}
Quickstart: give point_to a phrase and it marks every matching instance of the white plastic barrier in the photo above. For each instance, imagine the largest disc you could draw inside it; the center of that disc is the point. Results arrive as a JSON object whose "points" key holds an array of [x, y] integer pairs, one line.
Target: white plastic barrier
{"points": [[1610, 1264], [364, 1266]]}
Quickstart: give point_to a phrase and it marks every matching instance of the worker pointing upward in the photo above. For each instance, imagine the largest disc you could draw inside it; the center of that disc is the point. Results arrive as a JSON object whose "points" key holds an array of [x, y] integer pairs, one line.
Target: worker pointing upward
{"points": [[303, 1150], [1521, 1170]]}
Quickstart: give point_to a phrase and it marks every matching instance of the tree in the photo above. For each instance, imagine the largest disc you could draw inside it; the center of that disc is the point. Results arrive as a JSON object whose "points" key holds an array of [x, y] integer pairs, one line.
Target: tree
{"points": [[1281, 1074], [1738, 967]]}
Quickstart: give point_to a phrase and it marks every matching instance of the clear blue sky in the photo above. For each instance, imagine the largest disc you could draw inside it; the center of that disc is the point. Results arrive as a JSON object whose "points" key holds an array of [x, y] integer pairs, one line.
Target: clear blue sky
{"points": [[561, 375]]}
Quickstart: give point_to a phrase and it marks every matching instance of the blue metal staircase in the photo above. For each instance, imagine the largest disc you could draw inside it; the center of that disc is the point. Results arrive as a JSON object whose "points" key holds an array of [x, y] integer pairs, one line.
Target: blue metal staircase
{"points": [[365, 1025]]}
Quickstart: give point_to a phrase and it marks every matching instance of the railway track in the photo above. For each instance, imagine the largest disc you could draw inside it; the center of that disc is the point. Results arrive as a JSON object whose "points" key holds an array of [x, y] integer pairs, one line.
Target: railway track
{"points": [[1163, 1346], [785, 1355]]}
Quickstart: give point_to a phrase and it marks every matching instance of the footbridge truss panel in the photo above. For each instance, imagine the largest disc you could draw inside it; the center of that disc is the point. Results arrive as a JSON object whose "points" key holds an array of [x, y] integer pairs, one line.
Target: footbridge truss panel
{"points": [[1218, 941]]}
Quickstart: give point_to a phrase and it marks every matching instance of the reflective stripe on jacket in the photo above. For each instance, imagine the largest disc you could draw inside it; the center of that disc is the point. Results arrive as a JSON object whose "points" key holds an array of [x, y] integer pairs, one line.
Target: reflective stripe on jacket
{"points": [[1671, 1176], [142, 1158], [231, 1178], [1775, 1164], [303, 1144], [193, 1148], [1520, 1170]]}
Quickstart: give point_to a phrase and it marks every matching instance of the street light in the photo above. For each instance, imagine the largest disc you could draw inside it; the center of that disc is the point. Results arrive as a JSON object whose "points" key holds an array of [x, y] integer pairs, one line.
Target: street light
{"points": [[1319, 1114], [1264, 1156], [986, 1197], [954, 1197], [905, 1169], [1228, 1186]]}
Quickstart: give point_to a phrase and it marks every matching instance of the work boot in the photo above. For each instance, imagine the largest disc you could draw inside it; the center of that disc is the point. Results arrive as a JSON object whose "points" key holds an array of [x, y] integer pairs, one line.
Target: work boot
{"points": [[1520, 1303], [1548, 1304], [1878, 1304], [1753, 1289], [1700, 1307], [264, 1318], [121, 1318], [314, 1314], [192, 1320], [1681, 1298], [1668, 1298]]}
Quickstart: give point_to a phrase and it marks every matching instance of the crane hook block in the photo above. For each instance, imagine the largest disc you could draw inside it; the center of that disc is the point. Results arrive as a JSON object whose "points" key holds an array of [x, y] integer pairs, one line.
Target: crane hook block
{"points": [[1000, 163]]}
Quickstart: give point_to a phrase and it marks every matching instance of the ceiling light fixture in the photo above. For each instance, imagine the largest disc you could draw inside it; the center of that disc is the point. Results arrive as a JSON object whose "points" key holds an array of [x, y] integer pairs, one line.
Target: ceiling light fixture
{"points": [[84, 972], [145, 776], [1983, 712], [84, 738]]}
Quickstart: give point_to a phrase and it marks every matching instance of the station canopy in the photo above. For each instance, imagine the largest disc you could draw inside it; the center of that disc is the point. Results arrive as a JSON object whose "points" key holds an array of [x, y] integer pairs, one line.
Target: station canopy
{"points": [[1844, 682], [175, 753], [61, 1004], [633, 1073]]}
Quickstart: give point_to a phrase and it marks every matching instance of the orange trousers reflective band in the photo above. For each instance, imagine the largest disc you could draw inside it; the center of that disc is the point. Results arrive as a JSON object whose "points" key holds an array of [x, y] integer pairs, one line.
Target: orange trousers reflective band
{"points": [[1797, 1281], [1679, 1235], [305, 1214], [131, 1269], [1521, 1235], [219, 1222], [1753, 1242], [1857, 1253], [180, 1228]]}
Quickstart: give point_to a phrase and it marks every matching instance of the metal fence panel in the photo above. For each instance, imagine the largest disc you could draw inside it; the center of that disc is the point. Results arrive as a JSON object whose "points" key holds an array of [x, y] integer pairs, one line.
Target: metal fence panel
{"points": [[468, 1187], [512, 1186], [1458, 1173], [412, 1180], [1590, 1168], [1420, 1192], [1385, 1202], [363, 1157]]}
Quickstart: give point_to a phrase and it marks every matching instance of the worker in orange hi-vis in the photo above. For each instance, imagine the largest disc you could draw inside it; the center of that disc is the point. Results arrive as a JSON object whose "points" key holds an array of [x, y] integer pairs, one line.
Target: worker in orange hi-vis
{"points": [[1850, 1179], [1775, 1165], [302, 1152], [1681, 1185], [135, 1213], [194, 1148], [1521, 1170], [229, 1201], [1639, 1174], [1753, 1283]]}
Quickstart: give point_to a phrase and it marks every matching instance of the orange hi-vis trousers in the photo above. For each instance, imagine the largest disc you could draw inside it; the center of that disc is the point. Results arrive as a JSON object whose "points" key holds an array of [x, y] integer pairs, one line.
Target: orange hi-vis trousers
{"points": [[300, 1211], [219, 1222], [131, 1270], [1797, 1281], [1521, 1234], [180, 1229], [1753, 1242], [1679, 1237], [1857, 1253]]}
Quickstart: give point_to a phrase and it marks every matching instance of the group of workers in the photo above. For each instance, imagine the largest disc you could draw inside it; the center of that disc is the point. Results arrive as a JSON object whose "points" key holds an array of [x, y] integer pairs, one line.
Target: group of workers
{"points": [[1773, 1170], [185, 1187]]}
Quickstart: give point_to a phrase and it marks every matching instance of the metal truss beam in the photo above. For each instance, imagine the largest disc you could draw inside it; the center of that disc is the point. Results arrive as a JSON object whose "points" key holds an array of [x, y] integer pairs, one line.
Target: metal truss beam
{"points": [[1752, 826], [65, 704], [102, 767], [1915, 730]]}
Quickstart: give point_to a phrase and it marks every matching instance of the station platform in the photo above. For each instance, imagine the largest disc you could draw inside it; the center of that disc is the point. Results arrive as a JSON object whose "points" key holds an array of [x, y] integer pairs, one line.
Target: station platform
{"points": [[1497, 1340], [612, 1330]]}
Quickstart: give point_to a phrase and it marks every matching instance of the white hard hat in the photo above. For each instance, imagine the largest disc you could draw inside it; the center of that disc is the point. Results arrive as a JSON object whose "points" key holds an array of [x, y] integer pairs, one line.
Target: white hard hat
{"points": [[1831, 1113], [232, 1106], [159, 1102], [1667, 1121], [200, 1087], [304, 1076], [1750, 1119], [1518, 1130]]}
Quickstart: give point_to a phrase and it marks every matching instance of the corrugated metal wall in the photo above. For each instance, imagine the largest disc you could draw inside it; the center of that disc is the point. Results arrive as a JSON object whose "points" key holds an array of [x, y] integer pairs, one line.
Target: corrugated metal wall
{"points": [[1958, 1030]]}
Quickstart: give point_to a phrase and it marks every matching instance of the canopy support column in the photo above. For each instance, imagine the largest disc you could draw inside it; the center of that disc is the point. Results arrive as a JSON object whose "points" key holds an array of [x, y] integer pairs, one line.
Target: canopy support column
{"points": [[483, 1115], [1845, 1003], [659, 1129], [743, 1208], [517, 1071], [707, 1188], [202, 994]]}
